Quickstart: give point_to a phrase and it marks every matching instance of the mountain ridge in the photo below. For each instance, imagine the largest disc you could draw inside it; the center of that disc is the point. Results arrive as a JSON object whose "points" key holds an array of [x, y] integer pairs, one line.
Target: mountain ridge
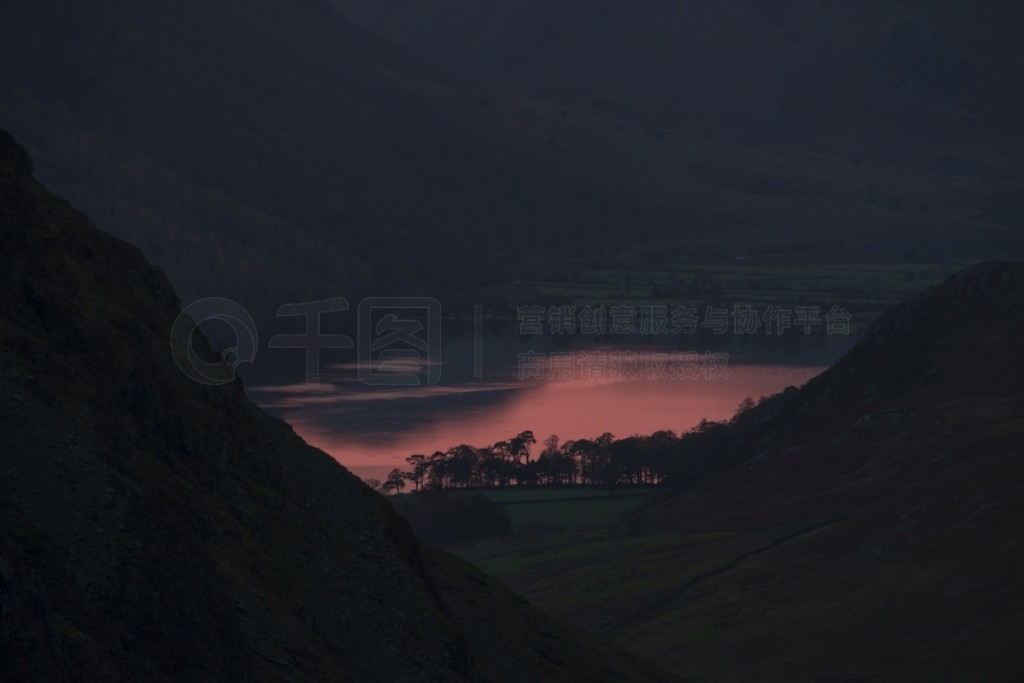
{"points": [[159, 529], [275, 153], [935, 70], [884, 482]]}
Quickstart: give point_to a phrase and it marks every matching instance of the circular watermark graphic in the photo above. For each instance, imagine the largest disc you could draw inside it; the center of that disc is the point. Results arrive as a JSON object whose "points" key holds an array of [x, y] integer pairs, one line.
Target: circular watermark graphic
{"points": [[246, 340]]}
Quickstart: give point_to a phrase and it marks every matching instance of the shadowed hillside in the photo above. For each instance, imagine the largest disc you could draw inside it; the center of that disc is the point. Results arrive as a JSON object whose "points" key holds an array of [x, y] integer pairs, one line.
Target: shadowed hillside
{"points": [[864, 527], [156, 529], [884, 504]]}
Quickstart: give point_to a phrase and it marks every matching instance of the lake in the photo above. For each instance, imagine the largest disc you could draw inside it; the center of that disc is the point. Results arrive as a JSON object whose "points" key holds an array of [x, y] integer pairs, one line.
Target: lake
{"points": [[371, 430]]}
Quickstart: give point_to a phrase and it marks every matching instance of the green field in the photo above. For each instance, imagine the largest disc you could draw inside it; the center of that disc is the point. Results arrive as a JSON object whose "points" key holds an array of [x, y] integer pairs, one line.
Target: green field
{"points": [[562, 508]]}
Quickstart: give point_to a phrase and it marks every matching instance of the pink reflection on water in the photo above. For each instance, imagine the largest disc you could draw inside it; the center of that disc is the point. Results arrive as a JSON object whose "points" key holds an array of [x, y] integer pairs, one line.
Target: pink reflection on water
{"points": [[572, 409]]}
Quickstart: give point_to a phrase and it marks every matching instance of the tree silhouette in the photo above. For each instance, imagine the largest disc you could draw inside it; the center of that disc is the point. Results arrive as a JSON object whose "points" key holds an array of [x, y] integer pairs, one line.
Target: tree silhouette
{"points": [[395, 481], [418, 465], [603, 461], [520, 445]]}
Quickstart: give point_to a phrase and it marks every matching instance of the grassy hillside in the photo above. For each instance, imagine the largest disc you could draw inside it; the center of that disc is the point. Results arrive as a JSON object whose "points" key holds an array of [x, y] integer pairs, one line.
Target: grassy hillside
{"points": [[863, 528]]}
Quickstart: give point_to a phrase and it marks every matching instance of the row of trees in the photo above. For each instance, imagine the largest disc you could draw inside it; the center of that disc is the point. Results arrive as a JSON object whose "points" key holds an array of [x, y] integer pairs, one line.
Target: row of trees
{"points": [[602, 461]]}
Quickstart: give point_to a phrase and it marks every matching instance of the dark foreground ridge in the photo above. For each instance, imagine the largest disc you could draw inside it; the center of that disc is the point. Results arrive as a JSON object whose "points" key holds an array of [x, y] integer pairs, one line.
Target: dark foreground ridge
{"points": [[155, 529], [867, 526]]}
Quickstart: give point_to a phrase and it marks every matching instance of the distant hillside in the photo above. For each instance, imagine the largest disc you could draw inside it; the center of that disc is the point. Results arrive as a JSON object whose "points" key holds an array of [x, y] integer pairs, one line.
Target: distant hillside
{"points": [[156, 529], [275, 152], [797, 70]]}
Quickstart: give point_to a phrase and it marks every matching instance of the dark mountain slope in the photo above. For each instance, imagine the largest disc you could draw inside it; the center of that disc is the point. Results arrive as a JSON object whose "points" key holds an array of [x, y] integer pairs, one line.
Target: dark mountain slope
{"points": [[941, 70], [871, 527], [866, 527], [152, 528], [280, 143], [956, 346]]}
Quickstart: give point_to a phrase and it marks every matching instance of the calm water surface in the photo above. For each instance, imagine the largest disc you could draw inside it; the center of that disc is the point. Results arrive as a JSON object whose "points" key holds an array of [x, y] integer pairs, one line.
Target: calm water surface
{"points": [[371, 430]]}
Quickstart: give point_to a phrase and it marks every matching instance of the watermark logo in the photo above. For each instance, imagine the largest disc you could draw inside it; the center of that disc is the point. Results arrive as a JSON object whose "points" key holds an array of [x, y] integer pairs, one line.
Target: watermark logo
{"points": [[314, 339], [398, 341], [183, 340], [617, 364], [399, 337], [662, 320]]}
